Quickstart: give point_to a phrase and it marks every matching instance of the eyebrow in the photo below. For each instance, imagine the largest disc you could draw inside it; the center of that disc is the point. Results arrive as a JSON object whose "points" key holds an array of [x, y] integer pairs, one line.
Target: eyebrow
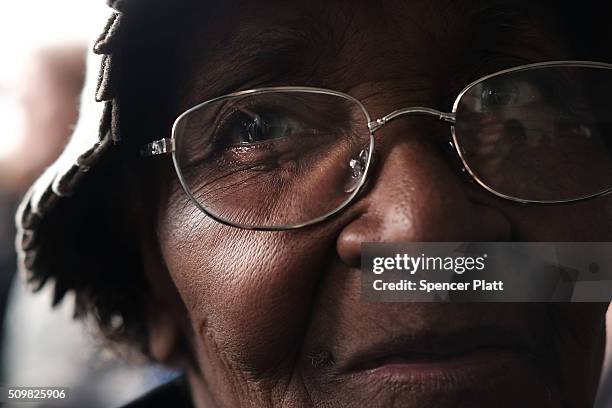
{"points": [[525, 32], [534, 26], [256, 56], [287, 53]]}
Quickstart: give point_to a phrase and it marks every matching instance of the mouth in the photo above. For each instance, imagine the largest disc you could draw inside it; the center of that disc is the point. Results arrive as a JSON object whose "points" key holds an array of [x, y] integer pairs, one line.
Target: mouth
{"points": [[451, 360]]}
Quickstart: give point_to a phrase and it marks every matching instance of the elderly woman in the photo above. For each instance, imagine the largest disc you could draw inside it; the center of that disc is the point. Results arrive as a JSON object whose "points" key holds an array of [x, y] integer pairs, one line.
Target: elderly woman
{"points": [[220, 231]]}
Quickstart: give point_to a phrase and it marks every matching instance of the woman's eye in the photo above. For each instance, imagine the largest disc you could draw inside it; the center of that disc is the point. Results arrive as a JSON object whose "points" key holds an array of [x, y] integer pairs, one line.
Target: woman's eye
{"points": [[248, 127], [500, 94]]}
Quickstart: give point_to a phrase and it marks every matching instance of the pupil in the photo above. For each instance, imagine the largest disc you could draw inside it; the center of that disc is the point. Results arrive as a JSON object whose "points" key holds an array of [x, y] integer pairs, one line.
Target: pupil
{"points": [[256, 129], [499, 94], [501, 98]]}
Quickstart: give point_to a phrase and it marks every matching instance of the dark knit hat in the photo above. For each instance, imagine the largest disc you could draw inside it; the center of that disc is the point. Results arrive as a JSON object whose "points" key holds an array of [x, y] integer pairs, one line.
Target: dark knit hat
{"points": [[92, 138], [58, 236], [71, 229]]}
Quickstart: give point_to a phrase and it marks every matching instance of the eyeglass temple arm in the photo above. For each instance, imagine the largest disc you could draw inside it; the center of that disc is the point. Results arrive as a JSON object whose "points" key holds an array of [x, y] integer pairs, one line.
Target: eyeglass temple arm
{"points": [[157, 147], [413, 110]]}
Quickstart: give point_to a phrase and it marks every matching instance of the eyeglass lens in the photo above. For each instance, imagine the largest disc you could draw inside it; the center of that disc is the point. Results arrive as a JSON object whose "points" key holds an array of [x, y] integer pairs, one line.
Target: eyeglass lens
{"points": [[541, 134], [273, 159]]}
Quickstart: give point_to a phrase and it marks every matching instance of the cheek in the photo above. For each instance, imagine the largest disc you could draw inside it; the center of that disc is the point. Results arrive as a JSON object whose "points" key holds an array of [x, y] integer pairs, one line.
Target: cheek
{"points": [[248, 293]]}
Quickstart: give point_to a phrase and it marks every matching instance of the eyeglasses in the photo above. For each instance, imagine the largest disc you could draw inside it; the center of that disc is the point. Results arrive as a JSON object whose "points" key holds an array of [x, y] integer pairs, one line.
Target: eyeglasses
{"points": [[286, 157]]}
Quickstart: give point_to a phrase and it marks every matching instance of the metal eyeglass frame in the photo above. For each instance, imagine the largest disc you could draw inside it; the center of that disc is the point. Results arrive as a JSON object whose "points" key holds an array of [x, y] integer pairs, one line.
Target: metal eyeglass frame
{"points": [[167, 145]]}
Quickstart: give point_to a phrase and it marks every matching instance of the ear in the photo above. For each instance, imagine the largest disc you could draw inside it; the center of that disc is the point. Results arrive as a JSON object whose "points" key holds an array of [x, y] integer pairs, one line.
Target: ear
{"points": [[166, 313], [166, 317], [164, 335]]}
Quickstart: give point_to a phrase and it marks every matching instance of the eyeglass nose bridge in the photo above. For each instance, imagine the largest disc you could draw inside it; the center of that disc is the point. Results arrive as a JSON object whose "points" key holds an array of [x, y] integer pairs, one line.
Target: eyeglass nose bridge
{"points": [[448, 117]]}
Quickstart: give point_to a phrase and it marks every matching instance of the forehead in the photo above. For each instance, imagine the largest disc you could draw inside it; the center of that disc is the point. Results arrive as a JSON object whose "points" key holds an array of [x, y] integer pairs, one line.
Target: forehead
{"points": [[337, 44]]}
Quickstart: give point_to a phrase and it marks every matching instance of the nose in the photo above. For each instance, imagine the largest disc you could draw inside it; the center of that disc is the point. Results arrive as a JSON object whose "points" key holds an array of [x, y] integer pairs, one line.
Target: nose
{"points": [[416, 194]]}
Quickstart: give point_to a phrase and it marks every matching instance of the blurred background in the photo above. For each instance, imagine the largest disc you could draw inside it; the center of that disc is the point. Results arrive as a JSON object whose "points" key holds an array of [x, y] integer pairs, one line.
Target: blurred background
{"points": [[43, 45]]}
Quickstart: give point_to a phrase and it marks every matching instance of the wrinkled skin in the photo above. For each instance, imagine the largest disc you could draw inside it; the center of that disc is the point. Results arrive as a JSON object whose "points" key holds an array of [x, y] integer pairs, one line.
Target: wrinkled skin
{"points": [[275, 318]]}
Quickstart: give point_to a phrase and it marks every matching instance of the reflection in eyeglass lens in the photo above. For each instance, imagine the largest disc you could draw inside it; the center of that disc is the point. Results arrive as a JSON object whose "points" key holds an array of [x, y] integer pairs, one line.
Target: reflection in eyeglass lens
{"points": [[541, 134]]}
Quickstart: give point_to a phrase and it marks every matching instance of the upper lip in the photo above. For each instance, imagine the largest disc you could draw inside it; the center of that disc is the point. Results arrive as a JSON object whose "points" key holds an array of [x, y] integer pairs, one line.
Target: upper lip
{"points": [[428, 347]]}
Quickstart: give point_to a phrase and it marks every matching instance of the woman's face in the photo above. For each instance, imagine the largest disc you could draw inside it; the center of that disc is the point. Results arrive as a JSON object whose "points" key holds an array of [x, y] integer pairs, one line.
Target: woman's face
{"points": [[275, 318]]}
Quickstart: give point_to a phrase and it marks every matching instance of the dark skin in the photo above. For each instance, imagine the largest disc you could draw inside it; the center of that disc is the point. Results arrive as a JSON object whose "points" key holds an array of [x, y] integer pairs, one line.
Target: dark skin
{"points": [[275, 318]]}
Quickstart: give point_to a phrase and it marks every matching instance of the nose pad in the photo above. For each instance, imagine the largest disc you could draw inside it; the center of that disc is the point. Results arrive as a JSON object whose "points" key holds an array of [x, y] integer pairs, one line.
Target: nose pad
{"points": [[357, 168], [452, 153]]}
